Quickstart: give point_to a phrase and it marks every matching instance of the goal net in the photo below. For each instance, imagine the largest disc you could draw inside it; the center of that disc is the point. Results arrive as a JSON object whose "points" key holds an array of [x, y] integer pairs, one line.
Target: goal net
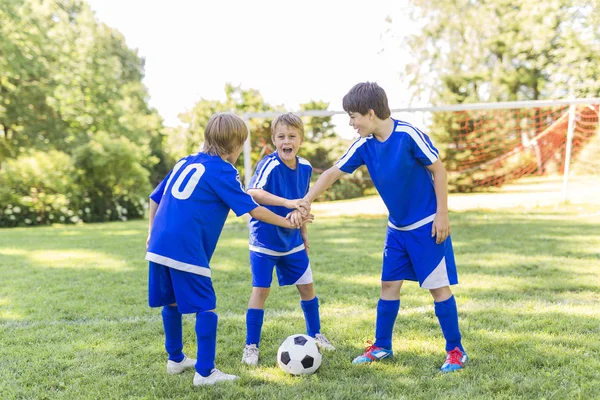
{"points": [[488, 145]]}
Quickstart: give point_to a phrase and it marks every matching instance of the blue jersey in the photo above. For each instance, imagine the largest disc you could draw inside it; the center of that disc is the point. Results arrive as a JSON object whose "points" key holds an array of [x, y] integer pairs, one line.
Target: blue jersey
{"points": [[194, 200], [273, 176], [397, 167]]}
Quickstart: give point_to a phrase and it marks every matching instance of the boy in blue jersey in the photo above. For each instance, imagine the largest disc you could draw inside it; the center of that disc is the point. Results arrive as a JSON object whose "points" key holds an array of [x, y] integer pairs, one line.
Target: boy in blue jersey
{"points": [[187, 212], [412, 182], [279, 183]]}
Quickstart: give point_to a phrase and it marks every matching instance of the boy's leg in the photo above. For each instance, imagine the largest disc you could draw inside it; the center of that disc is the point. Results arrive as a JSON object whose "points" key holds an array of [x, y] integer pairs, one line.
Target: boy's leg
{"points": [[255, 315], [173, 332], [387, 311], [436, 268], [161, 293], [261, 266], [206, 334], [310, 307], [447, 314]]}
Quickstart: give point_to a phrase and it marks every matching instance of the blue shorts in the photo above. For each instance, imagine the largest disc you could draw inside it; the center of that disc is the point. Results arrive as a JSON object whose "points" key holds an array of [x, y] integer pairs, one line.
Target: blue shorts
{"points": [[193, 293], [292, 269], [415, 256]]}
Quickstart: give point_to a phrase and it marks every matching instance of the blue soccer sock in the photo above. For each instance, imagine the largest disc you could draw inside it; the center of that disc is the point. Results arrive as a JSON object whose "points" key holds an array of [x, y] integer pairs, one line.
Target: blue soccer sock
{"points": [[206, 334], [387, 311], [173, 333], [447, 314], [311, 315], [254, 323]]}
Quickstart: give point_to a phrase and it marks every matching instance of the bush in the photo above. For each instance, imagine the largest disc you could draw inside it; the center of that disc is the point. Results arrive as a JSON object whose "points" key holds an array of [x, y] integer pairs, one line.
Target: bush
{"points": [[114, 184], [37, 188]]}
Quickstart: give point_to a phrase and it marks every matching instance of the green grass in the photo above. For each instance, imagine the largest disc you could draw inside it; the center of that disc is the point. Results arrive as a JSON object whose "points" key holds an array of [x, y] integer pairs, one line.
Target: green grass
{"points": [[74, 320]]}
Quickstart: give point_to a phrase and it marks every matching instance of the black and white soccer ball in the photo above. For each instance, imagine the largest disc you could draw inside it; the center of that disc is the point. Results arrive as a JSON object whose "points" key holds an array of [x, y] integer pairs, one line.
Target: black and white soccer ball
{"points": [[299, 355]]}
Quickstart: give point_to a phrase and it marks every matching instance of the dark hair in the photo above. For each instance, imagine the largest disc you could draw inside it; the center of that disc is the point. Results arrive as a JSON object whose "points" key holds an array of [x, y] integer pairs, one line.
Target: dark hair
{"points": [[367, 96]]}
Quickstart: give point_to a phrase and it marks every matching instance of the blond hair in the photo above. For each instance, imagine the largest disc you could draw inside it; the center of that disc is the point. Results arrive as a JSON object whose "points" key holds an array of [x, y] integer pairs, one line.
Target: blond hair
{"points": [[289, 119], [224, 133]]}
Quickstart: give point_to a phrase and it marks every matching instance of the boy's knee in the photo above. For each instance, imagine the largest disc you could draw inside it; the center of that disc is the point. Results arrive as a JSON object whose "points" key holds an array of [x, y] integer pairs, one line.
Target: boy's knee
{"points": [[260, 292], [441, 294], [390, 290], [306, 290]]}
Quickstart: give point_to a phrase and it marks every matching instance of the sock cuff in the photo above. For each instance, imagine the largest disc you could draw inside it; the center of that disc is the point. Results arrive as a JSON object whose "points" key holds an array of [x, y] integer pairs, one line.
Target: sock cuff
{"points": [[170, 311], [388, 305], [253, 314], [310, 303], [444, 307]]}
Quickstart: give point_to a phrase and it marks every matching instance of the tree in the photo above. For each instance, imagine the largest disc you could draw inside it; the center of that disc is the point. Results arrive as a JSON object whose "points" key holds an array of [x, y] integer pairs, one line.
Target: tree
{"points": [[486, 51]]}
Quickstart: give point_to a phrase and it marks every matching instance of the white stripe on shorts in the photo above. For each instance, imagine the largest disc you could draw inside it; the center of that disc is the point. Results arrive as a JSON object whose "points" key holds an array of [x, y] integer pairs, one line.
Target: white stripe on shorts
{"points": [[270, 252], [438, 277], [306, 277], [181, 266], [414, 226]]}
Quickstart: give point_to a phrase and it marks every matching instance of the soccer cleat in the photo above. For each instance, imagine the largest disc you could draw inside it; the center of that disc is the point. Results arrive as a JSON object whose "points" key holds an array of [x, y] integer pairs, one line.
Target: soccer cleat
{"points": [[455, 360], [250, 355], [178, 367], [323, 343], [214, 377], [373, 353]]}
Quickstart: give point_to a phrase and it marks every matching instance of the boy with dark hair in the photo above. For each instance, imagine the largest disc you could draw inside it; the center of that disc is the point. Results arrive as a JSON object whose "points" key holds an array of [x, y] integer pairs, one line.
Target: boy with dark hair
{"points": [[412, 182], [187, 212]]}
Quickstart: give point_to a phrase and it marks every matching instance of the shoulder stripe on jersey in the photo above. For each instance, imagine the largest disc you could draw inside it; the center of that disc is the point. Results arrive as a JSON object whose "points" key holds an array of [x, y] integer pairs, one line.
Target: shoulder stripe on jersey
{"points": [[262, 181], [263, 167], [350, 152], [304, 161], [412, 132], [181, 266], [422, 135]]}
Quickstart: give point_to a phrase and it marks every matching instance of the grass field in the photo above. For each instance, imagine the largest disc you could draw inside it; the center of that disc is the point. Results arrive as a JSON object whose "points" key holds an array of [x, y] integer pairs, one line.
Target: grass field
{"points": [[74, 321]]}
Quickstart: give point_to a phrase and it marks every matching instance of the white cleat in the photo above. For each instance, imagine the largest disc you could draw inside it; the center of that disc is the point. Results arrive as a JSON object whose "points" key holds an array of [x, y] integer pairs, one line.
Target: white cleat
{"points": [[323, 343], [214, 377], [250, 356], [178, 367]]}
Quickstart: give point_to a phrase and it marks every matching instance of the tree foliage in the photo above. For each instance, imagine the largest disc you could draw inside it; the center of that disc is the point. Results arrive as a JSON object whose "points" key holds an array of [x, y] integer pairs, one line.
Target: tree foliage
{"points": [[69, 81], [500, 50]]}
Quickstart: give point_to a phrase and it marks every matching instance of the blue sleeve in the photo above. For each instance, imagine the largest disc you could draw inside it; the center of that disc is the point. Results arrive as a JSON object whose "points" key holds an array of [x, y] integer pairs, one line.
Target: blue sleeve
{"points": [[229, 189], [261, 175], [352, 159], [158, 191], [422, 147]]}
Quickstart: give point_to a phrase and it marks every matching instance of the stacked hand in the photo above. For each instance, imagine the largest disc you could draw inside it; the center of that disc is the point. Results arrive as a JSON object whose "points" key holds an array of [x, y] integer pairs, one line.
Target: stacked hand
{"points": [[298, 219], [298, 204]]}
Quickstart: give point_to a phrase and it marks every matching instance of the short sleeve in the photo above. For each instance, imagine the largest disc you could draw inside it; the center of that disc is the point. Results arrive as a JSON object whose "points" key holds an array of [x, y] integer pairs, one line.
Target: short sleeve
{"points": [[229, 189], [352, 159], [422, 147], [263, 170], [158, 191]]}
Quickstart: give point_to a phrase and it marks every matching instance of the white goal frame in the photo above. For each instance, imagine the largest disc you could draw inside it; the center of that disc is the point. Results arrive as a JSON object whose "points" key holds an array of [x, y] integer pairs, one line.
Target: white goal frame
{"points": [[458, 107]]}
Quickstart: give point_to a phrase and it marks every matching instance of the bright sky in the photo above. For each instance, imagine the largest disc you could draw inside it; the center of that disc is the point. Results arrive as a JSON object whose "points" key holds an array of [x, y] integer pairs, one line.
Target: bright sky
{"points": [[290, 51]]}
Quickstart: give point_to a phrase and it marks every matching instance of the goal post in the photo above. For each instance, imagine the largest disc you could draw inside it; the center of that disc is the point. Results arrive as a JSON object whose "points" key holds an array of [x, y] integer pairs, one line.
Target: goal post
{"points": [[489, 144]]}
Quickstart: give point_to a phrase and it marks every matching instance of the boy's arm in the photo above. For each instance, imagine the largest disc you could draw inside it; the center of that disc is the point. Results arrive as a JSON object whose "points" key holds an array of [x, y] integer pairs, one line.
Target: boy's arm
{"points": [[304, 234], [268, 199], [152, 207], [326, 179], [441, 223], [265, 215]]}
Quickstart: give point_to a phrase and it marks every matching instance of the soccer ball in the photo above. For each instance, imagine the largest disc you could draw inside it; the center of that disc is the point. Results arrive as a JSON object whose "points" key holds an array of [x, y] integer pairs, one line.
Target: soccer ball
{"points": [[299, 355]]}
